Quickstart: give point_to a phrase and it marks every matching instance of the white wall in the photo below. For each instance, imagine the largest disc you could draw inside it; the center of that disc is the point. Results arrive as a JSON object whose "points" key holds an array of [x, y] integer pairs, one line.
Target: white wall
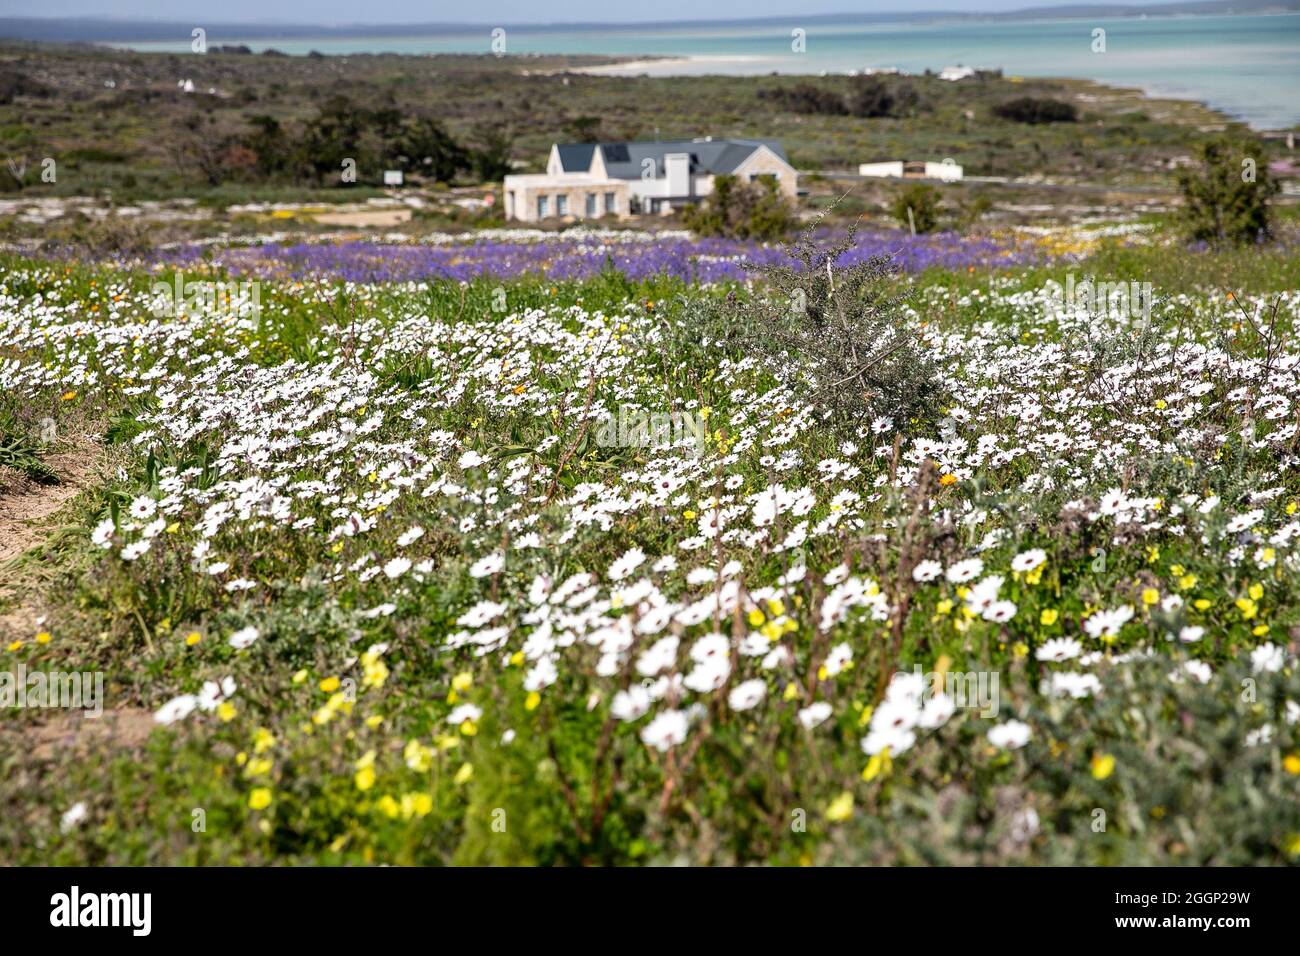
{"points": [[948, 171], [881, 169]]}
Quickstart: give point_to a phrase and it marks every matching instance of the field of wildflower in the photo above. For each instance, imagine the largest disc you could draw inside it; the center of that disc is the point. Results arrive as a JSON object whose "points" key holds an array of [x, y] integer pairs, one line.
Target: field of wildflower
{"points": [[512, 554]]}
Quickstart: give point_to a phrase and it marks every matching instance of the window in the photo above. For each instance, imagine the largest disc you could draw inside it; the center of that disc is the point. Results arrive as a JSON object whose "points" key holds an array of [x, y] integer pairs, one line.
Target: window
{"points": [[561, 205], [543, 207], [592, 212], [611, 204]]}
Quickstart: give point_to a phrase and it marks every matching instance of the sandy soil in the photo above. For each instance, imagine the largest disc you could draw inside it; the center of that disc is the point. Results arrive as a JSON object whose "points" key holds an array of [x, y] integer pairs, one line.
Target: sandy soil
{"points": [[25, 510], [364, 217], [25, 504]]}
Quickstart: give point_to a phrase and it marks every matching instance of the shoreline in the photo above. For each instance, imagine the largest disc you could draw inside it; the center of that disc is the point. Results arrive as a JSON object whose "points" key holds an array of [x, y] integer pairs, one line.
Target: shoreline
{"points": [[643, 66]]}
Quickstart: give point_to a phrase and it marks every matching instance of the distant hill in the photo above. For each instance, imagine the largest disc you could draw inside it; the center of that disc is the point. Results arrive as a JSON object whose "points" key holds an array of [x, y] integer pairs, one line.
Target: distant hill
{"points": [[104, 30], [1195, 8]]}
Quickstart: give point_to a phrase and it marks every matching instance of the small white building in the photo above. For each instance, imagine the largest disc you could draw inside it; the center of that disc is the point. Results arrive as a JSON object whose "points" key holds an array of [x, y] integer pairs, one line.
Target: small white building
{"points": [[590, 180], [947, 171], [954, 73]]}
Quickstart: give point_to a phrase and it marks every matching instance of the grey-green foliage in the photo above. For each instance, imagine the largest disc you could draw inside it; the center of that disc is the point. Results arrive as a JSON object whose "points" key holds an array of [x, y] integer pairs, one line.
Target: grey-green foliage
{"points": [[839, 337]]}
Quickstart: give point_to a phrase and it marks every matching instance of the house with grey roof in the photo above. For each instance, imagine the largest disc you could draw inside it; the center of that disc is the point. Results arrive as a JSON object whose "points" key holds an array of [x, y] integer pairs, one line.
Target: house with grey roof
{"points": [[592, 180]]}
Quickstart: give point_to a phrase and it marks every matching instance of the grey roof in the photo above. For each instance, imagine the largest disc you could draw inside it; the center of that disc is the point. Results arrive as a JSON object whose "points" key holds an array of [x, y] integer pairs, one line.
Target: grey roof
{"points": [[623, 160]]}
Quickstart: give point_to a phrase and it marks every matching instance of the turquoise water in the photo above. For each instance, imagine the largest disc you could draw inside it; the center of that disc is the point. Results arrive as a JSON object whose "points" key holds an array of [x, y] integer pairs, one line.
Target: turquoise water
{"points": [[1247, 66]]}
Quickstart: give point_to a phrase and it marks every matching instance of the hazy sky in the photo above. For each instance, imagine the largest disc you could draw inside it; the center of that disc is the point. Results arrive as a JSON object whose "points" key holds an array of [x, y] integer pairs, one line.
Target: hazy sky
{"points": [[481, 11]]}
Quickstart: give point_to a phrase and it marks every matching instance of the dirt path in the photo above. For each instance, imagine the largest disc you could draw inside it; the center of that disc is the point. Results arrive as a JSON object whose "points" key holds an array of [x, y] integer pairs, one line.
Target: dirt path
{"points": [[28, 512], [24, 504], [26, 508]]}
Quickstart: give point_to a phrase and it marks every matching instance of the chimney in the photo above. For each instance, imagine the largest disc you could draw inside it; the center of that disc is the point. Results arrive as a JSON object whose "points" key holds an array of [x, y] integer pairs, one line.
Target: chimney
{"points": [[677, 170]]}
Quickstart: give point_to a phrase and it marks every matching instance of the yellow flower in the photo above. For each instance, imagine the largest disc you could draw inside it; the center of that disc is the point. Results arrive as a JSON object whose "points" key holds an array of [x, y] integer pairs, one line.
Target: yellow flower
{"points": [[1103, 765], [365, 778], [1247, 607], [755, 617], [15, 646], [300, 676], [948, 479], [417, 756], [1256, 591], [192, 638], [416, 805], [1259, 630], [375, 673], [263, 740], [463, 774], [1049, 616], [329, 685], [878, 764], [226, 711], [1150, 596], [1201, 604], [387, 806], [1291, 763], [688, 515], [43, 637], [1187, 582], [259, 798], [462, 681], [533, 699], [841, 808]]}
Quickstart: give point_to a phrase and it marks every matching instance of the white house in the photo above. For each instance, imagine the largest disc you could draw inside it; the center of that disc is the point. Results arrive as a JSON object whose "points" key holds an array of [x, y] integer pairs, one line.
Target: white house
{"points": [[589, 180], [954, 73], [947, 171]]}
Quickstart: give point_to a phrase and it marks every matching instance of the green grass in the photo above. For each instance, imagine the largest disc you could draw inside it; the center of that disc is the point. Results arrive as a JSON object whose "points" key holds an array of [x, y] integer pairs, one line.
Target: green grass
{"points": [[347, 786]]}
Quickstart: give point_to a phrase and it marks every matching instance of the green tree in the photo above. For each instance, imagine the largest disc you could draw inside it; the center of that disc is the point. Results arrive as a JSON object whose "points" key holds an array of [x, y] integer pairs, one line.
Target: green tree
{"points": [[740, 210], [428, 149], [1226, 199], [490, 154], [917, 207], [1036, 110], [337, 133]]}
